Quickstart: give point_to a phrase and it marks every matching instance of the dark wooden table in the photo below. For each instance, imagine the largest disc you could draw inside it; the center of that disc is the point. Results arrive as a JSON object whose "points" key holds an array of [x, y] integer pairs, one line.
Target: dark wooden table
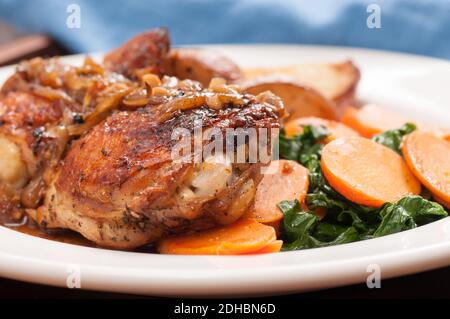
{"points": [[16, 46], [432, 284]]}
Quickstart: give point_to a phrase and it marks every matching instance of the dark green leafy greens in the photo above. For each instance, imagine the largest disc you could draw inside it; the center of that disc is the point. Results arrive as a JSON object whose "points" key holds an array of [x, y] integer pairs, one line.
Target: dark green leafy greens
{"points": [[408, 213], [345, 221], [393, 138], [300, 147], [303, 230]]}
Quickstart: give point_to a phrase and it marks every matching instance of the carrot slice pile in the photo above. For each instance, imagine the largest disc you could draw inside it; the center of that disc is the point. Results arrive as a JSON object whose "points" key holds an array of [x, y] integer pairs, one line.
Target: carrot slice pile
{"points": [[429, 158], [285, 180], [366, 172], [242, 237], [336, 129]]}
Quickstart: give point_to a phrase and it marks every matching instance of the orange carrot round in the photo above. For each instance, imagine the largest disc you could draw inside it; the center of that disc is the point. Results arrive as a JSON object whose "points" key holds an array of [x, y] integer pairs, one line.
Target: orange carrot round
{"points": [[372, 119], [336, 129], [366, 172], [273, 247], [285, 180], [429, 158], [276, 225], [242, 237], [444, 203]]}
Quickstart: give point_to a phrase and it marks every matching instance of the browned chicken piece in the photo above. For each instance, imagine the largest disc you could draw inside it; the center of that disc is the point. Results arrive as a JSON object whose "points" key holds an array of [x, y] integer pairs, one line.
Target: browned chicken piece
{"points": [[89, 92], [150, 52], [42, 107], [88, 89], [24, 118], [201, 65], [28, 142], [120, 186], [29, 137], [142, 54]]}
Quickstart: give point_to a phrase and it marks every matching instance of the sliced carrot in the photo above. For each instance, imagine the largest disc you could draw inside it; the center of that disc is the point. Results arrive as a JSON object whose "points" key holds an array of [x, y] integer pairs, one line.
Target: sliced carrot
{"points": [[444, 203], [436, 130], [276, 225], [366, 172], [372, 119], [320, 212], [429, 158], [242, 237], [273, 247], [285, 180], [442, 133], [336, 129]]}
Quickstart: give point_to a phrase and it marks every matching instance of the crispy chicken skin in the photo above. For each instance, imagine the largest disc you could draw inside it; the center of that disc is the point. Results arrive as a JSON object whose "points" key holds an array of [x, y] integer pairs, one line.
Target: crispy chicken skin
{"points": [[23, 119], [119, 187], [142, 54], [22, 112], [150, 52]]}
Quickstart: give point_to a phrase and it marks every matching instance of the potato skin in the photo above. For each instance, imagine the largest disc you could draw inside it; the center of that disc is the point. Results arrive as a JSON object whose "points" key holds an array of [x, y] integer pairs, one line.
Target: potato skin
{"points": [[299, 100], [335, 81], [201, 65]]}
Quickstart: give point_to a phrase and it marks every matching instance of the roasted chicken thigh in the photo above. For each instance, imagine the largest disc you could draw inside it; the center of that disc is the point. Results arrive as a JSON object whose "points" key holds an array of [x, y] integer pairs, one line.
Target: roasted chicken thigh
{"points": [[120, 186], [92, 148]]}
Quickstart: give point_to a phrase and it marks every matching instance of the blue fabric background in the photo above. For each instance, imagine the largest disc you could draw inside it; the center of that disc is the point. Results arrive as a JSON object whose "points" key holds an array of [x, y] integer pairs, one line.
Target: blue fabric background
{"points": [[417, 26]]}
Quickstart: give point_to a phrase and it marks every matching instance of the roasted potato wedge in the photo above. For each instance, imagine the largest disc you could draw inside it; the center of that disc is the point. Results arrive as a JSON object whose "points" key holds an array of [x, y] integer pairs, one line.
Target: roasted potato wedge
{"points": [[201, 65], [335, 81], [299, 100]]}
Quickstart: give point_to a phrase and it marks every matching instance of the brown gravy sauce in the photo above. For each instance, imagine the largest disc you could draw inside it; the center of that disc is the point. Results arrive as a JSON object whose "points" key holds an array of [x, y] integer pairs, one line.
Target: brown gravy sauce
{"points": [[66, 236], [63, 236]]}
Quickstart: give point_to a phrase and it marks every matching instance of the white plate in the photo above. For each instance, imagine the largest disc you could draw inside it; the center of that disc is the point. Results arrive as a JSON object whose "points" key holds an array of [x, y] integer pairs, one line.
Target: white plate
{"points": [[412, 84]]}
